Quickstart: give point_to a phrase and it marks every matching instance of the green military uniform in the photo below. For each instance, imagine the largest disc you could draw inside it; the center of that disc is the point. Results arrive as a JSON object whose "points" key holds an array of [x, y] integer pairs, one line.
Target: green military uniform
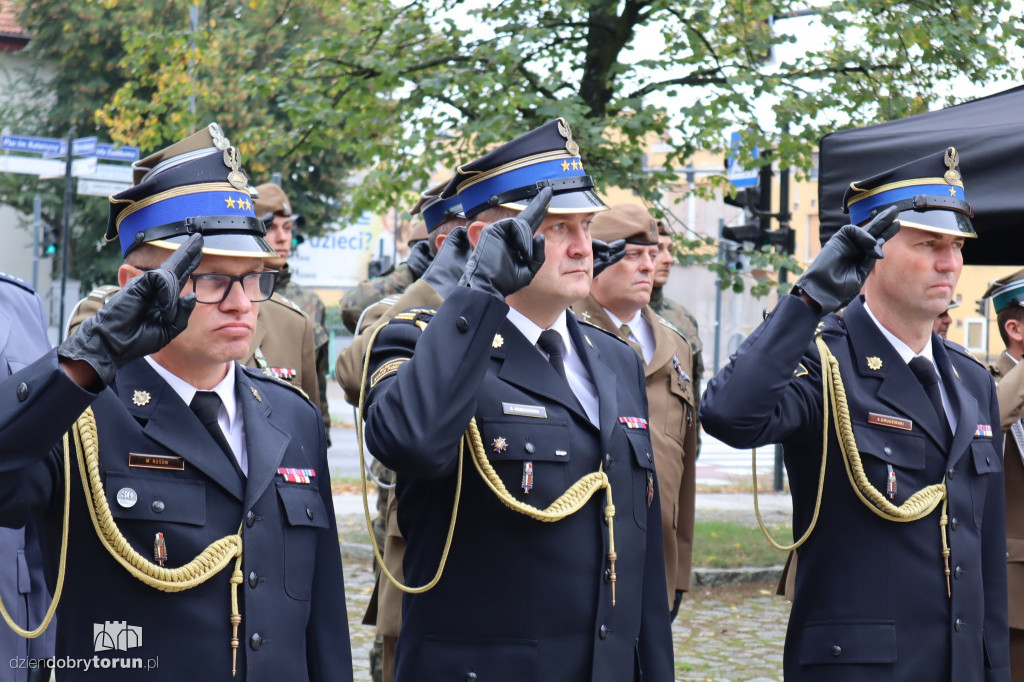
{"points": [[684, 321], [282, 344], [314, 307], [370, 291]]}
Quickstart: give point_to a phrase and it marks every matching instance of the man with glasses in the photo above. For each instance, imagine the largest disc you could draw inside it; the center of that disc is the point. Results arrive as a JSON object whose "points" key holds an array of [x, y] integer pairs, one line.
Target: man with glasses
{"points": [[212, 552], [549, 408]]}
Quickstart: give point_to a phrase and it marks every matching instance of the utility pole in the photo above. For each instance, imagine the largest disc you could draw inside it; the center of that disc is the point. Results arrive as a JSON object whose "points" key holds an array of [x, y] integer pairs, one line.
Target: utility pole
{"points": [[69, 189]]}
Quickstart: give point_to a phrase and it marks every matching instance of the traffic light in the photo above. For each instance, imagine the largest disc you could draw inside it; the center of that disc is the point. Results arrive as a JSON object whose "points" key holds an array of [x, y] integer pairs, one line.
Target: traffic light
{"points": [[981, 307], [51, 240]]}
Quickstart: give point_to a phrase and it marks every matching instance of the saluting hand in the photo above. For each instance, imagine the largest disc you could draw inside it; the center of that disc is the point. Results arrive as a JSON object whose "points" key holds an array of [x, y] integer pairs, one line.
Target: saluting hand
{"points": [[446, 269], [508, 254], [839, 271], [606, 255], [140, 319]]}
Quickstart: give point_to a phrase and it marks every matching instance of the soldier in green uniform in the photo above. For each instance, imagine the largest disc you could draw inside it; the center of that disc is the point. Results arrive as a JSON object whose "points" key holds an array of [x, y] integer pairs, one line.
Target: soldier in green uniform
{"points": [[681, 318], [273, 208], [1007, 296]]}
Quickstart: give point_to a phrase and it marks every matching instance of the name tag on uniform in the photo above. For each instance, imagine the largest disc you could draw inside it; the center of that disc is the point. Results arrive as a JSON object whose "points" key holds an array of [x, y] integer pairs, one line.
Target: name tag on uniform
{"points": [[168, 462], [537, 411], [892, 422]]}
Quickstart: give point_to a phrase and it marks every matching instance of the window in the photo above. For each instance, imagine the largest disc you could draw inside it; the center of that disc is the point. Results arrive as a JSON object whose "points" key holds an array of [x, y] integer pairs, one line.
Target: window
{"points": [[975, 334]]}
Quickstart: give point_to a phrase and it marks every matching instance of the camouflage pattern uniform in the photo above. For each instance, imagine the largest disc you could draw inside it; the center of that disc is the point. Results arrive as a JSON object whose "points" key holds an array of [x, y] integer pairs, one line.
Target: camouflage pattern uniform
{"points": [[369, 291], [314, 307]]}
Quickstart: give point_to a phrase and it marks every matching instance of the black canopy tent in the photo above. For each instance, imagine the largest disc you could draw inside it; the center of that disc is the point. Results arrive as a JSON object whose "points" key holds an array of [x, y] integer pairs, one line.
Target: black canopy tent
{"points": [[988, 133]]}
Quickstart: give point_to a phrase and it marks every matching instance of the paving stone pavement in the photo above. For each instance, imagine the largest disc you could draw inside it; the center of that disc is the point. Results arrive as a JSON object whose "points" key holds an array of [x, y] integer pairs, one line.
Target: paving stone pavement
{"points": [[723, 634]]}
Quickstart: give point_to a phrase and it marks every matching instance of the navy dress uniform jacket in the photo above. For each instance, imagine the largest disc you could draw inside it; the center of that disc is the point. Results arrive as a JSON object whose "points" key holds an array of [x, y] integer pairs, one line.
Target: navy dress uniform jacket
{"points": [[294, 624], [520, 600], [870, 599], [23, 340]]}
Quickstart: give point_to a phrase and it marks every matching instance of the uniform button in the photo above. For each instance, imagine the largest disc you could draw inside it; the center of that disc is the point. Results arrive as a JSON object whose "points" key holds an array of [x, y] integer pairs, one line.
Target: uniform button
{"points": [[958, 624], [607, 575], [607, 461], [254, 579], [957, 572], [950, 474], [256, 641], [954, 522], [887, 450], [158, 506], [250, 519], [836, 649], [462, 324], [470, 677], [309, 513], [603, 632], [529, 447], [22, 392]]}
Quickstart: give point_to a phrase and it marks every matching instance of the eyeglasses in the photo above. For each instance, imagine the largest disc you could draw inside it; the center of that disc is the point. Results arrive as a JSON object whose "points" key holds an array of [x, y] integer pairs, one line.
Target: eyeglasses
{"points": [[214, 287]]}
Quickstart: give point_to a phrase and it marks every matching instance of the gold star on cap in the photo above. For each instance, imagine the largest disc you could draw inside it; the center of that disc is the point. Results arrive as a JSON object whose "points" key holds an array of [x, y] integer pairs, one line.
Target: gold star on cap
{"points": [[874, 362], [498, 341], [255, 393], [141, 398], [499, 444]]}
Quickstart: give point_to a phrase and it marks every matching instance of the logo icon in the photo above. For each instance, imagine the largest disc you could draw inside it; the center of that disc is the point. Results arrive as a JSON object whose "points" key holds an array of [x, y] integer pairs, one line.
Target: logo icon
{"points": [[114, 634]]}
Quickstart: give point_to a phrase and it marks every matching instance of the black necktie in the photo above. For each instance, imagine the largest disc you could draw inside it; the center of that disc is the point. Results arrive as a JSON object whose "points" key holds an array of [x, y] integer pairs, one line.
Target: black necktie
{"points": [[550, 342], [925, 372], [206, 405]]}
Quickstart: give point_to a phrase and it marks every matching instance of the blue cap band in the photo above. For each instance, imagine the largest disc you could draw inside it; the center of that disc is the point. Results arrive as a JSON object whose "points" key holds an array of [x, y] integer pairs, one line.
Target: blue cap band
{"points": [[477, 195], [861, 209], [177, 208], [440, 211]]}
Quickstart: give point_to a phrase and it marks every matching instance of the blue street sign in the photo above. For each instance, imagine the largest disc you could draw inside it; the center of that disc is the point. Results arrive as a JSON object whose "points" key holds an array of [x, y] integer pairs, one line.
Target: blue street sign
{"points": [[82, 146], [38, 145], [105, 150], [738, 175]]}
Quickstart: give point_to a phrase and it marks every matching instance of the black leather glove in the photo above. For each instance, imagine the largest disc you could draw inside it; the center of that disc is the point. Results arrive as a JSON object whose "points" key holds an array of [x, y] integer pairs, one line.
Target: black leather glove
{"points": [[675, 606], [140, 319], [839, 271], [606, 255], [508, 255], [450, 262], [419, 258]]}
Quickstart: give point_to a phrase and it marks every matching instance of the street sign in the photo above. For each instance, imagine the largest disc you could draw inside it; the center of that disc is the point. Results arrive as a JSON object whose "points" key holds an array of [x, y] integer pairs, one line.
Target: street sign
{"points": [[111, 172], [101, 188], [82, 146], [108, 151], [45, 168], [738, 175], [38, 145]]}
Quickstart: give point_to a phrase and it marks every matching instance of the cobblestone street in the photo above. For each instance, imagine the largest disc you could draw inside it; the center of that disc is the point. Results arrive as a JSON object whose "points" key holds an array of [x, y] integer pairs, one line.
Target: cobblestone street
{"points": [[723, 634]]}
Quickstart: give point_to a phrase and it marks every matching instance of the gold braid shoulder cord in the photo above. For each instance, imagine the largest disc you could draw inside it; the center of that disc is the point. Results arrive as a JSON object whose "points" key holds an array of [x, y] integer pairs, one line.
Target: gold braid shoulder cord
{"points": [[570, 502], [206, 565], [917, 506]]}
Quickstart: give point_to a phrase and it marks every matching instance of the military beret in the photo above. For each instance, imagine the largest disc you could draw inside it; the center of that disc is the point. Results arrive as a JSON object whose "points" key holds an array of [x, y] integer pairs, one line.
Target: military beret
{"points": [[928, 192], [625, 221], [271, 200], [515, 172], [196, 185]]}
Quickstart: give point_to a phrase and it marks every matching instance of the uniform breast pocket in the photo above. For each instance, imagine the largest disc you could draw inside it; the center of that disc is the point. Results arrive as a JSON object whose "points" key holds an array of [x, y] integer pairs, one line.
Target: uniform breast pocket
{"points": [[985, 460], [304, 513], [643, 474], [679, 410], [901, 453], [531, 456]]}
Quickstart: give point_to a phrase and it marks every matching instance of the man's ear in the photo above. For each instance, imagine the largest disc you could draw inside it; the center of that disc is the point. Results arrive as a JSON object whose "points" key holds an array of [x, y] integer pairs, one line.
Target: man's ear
{"points": [[438, 240], [474, 230], [125, 273], [1014, 330]]}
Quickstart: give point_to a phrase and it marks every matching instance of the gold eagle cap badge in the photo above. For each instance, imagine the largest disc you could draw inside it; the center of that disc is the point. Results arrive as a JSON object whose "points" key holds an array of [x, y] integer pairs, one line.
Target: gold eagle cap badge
{"points": [[570, 144], [952, 159], [874, 362], [141, 398]]}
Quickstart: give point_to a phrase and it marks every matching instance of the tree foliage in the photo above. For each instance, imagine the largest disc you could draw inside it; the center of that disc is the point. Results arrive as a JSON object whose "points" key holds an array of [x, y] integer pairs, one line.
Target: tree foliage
{"points": [[395, 90]]}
